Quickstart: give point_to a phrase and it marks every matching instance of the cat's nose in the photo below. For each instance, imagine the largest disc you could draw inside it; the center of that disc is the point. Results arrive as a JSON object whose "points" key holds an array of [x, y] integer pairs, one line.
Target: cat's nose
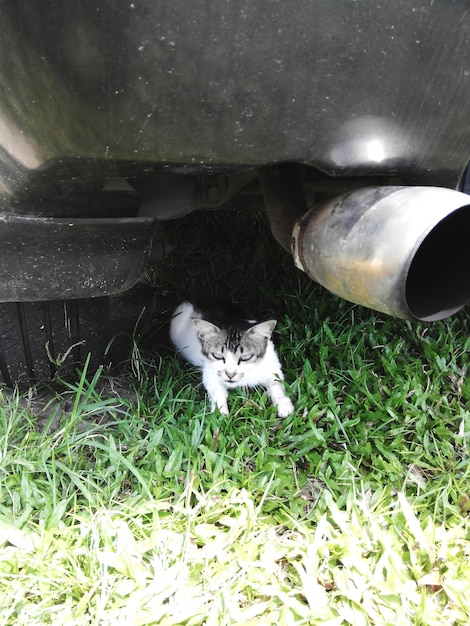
{"points": [[230, 375]]}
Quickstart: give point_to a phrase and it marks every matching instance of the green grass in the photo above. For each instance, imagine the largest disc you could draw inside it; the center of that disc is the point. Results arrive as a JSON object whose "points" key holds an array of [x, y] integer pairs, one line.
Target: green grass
{"points": [[128, 503]]}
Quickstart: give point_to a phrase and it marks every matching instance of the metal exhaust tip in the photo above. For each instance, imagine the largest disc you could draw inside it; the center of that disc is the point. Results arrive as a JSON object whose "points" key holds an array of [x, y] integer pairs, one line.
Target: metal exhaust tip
{"points": [[438, 279], [399, 250]]}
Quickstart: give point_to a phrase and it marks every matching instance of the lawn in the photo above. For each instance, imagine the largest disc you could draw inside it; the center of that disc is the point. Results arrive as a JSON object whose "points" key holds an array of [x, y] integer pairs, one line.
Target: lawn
{"points": [[124, 501]]}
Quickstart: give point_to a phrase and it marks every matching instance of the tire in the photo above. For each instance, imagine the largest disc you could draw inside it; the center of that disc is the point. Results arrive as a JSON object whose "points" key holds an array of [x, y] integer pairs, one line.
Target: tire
{"points": [[41, 339]]}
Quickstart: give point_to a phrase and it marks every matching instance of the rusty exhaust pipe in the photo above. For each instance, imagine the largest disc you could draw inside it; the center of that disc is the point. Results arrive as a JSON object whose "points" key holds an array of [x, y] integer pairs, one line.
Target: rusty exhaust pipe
{"points": [[404, 251], [400, 250]]}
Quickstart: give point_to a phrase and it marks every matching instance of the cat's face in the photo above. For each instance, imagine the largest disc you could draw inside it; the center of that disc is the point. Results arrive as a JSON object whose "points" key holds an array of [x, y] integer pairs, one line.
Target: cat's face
{"points": [[233, 352]]}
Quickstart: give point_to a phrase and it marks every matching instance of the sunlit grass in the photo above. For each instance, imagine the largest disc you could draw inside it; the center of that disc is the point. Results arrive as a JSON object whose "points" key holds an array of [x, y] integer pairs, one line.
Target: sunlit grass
{"points": [[131, 504]]}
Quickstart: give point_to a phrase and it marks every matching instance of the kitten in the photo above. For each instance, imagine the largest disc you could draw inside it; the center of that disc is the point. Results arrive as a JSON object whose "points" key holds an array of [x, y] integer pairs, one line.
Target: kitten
{"points": [[231, 352]]}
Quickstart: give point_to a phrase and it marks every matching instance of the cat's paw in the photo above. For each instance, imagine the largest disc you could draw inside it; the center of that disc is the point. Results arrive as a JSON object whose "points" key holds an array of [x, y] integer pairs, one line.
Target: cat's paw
{"points": [[284, 407], [221, 407]]}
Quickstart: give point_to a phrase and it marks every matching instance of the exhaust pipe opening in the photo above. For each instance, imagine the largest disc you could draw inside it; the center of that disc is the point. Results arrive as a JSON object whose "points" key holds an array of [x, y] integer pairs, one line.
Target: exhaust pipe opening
{"points": [[438, 280], [400, 250]]}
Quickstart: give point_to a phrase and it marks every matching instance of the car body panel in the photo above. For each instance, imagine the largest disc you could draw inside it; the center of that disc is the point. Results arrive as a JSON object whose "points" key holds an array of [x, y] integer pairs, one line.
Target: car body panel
{"points": [[111, 88]]}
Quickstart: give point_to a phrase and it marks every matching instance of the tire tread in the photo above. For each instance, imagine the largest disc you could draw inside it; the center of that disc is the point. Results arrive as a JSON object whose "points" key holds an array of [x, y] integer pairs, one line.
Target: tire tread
{"points": [[39, 339]]}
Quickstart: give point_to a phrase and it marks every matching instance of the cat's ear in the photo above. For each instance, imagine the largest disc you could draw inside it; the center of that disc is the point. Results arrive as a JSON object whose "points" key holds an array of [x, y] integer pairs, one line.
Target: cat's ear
{"points": [[265, 329], [205, 328]]}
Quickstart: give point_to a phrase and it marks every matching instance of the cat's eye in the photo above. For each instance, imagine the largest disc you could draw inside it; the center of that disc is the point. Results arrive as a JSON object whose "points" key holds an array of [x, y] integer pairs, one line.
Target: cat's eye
{"points": [[218, 356], [245, 357]]}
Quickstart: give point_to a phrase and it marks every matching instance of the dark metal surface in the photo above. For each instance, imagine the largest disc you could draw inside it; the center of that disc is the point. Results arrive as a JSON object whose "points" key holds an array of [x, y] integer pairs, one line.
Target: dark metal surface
{"points": [[60, 259], [110, 87], [284, 196]]}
